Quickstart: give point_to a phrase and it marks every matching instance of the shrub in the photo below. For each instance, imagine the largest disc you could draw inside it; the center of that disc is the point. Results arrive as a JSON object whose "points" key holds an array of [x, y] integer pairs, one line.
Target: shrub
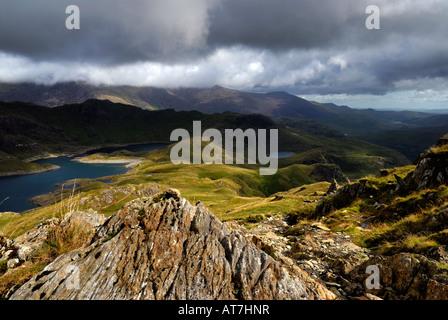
{"points": [[3, 267], [61, 240], [255, 218]]}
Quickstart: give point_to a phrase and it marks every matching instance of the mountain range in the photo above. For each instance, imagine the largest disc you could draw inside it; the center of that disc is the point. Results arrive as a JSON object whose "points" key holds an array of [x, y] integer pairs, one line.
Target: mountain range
{"points": [[408, 132], [30, 131], [294, 235]]}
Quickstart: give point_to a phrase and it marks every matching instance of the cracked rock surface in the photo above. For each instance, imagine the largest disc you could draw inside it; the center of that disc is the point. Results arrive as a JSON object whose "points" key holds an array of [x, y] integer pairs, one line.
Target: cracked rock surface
{"points": [[170, 249]]}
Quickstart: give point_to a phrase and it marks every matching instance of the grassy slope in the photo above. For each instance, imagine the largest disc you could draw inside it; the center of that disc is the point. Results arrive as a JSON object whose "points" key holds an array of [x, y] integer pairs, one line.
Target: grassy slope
{"points": [[241, 190], [390, 223], [231, 192]]}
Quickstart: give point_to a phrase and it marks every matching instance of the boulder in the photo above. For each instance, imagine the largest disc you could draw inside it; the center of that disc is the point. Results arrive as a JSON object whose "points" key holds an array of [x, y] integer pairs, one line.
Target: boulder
{"points": [[406, 276], [431, 171], [431, 168], [172, 193]]}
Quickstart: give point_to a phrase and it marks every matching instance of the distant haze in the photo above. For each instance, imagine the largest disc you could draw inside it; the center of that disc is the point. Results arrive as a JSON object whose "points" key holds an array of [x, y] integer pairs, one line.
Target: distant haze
{"points": [[319, 50]]}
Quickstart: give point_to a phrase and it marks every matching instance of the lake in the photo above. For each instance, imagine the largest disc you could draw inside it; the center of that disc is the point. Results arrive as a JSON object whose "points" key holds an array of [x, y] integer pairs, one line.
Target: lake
{"points": [[21, 188], [281, 154]]}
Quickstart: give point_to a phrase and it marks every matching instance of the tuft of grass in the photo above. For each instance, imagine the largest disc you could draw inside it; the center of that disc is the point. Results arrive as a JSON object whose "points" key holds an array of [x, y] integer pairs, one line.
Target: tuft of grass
{"points": [[440, 237], [70, 205], [417, 243], [14, 225], [61, 240], [441, 149]]}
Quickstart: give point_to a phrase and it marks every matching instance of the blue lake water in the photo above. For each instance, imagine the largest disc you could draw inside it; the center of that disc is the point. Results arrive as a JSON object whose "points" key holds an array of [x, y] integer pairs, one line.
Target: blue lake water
{"points": [[281, 154], [18, 189]]}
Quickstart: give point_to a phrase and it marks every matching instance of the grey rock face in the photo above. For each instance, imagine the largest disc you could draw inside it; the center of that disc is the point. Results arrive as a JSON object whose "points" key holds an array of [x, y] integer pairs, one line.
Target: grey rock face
{"points": [[169, 250]]}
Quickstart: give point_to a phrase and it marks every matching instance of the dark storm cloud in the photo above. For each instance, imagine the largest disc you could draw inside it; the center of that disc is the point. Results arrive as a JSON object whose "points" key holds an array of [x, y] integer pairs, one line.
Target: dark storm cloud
{"points": [[323, 23], [410, 44], [285, 24], [303, 46], [111, 31]]}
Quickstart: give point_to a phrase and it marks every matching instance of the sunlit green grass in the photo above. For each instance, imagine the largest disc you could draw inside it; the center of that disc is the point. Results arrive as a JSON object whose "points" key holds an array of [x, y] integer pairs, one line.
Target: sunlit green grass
{"points": [[230, 192]]}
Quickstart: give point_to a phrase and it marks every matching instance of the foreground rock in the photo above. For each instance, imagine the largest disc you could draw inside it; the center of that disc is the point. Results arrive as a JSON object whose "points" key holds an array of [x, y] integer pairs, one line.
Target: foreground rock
{"points": [[169, 249], [330, 257]]}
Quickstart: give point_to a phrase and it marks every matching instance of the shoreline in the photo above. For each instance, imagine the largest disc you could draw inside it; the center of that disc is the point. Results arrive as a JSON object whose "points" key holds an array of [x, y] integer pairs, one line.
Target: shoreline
{"points": [[85, 149], [24, 173], [80, 152], [131, 163]]}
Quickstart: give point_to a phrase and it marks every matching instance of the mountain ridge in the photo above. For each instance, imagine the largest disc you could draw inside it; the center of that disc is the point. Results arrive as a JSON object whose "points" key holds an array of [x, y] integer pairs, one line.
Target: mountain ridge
{"points": [[216, 99], [375, 126], [29, 130]]}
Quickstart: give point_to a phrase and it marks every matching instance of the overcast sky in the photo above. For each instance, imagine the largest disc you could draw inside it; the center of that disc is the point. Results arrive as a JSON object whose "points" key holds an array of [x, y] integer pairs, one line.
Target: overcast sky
{"points": [[317, 49]]}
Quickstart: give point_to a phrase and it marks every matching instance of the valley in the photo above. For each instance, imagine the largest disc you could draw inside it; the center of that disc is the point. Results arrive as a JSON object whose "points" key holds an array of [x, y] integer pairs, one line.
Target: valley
{"points": [[332, 232], [335, 205], [408, 132], [224, 158]]}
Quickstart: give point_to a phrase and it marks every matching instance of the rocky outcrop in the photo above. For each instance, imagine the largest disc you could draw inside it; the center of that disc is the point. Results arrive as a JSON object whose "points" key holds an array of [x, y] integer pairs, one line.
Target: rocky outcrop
{"points": [[329, 172], [405, 276], [343, 197], [333, 258], [333, 188], [431, 171], [328, 256], [166, 248]]}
